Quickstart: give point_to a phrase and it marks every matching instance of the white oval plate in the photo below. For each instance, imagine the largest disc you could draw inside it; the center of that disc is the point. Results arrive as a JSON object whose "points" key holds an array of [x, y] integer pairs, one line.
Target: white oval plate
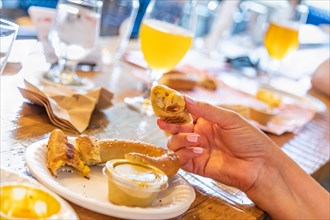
{"points": [[92, 193], [7, 177]]}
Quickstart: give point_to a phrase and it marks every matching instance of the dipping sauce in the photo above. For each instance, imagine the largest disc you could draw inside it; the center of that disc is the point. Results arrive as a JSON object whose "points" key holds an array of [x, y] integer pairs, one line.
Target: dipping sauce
{"points": [[23, 201], [132, 183]]}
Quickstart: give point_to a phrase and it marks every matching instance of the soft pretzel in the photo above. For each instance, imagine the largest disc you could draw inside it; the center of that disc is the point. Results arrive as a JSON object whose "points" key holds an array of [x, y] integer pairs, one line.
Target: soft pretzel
{"points": [[94, 151], [169, 105], [109, 149], [60, 153]]}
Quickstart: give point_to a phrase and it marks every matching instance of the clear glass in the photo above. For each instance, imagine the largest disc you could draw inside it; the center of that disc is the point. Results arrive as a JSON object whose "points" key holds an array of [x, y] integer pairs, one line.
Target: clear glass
{"points": [[118, 17], [8, 32], [166, 34], [74, 34], [282, 37]]}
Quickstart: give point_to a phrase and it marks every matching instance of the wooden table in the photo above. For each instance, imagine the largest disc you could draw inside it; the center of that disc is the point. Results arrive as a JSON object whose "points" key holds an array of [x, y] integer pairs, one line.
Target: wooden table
{"points": [[23, 123]]}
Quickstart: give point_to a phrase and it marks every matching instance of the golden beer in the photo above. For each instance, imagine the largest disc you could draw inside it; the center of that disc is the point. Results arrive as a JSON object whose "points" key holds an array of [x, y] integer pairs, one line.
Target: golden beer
{"points": [[280, 40], [163, 45]]}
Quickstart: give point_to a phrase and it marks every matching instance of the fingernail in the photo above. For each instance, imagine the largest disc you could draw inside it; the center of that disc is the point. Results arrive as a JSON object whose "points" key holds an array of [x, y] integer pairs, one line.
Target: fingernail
{"points": [[198, 150], [189, 99], [193, 138]]}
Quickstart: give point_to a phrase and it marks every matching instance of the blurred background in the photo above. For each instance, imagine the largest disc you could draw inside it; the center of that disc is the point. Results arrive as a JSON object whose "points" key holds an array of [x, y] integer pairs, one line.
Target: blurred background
{"points": [[229, 31], [207, 10]]}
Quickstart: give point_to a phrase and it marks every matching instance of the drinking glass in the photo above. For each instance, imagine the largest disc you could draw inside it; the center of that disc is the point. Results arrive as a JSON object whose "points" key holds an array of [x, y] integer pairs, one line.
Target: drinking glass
{"points": [[8, 32], [73, 35], [282, 36], [166, 34], [118, 17]]}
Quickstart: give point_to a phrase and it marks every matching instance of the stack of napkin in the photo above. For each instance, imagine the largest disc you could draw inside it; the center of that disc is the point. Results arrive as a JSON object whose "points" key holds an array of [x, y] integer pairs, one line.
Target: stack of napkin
{"points": [[65, 107]]}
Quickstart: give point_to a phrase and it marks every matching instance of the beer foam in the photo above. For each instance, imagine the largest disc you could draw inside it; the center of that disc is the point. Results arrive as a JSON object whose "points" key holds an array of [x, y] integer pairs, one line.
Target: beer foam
{"points": [[167, 27]]}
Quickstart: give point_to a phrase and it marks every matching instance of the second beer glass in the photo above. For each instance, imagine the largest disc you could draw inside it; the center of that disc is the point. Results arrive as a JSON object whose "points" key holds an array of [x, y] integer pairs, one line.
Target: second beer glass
{"points": [[282, 35]]}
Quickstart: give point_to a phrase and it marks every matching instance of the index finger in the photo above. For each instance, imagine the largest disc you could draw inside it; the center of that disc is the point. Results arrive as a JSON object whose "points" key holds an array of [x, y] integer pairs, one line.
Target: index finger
{"points": [[174, 128], [210, 112]]}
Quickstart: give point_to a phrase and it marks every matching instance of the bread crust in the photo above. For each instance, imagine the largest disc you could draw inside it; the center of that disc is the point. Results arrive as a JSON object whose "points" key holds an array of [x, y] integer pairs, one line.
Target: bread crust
{"points": [[164, 159]]}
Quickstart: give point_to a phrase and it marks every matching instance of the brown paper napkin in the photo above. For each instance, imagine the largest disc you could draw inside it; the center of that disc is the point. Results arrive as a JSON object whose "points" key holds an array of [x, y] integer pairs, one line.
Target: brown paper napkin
{"points": [[65, 107]]}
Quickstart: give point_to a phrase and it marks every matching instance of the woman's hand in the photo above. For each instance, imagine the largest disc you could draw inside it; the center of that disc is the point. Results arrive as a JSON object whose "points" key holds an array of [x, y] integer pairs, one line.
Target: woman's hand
{"points": [[220, 145], [224, 146]]}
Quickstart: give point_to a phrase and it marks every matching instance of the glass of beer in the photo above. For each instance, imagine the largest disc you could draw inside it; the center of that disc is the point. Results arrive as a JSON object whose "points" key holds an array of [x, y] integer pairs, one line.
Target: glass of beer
{"points": [[282, 35], [166, 34]]}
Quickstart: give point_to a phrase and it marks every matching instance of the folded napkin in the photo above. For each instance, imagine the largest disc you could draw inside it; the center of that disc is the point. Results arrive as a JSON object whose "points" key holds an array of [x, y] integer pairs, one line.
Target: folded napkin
{"points": [[65, 107]]}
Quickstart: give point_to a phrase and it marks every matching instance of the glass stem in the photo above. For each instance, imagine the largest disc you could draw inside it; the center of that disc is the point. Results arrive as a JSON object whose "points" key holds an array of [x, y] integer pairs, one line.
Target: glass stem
{"points": [[273, 67], [68, 73], [154, 76], [270, 70]]}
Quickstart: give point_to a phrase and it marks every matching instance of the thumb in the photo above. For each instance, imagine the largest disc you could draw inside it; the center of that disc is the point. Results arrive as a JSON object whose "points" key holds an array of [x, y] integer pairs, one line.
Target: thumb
{"points": [[209, 112]]}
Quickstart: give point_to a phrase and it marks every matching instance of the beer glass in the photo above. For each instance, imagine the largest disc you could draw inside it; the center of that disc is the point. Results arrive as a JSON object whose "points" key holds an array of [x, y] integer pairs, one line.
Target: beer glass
{"points": [[282, 35], [73, 35], [166, 34]]}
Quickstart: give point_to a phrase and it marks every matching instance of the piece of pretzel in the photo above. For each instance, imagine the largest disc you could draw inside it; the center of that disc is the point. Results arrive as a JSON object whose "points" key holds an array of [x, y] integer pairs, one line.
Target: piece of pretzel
{"points": [[61, 152], [169, 105]]}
